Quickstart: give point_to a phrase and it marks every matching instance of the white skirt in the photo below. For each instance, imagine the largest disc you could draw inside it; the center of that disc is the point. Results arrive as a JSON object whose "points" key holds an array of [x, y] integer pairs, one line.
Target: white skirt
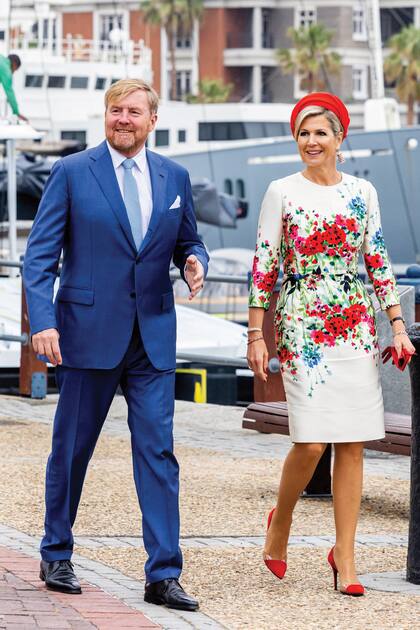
{"points": [[346, 407]]}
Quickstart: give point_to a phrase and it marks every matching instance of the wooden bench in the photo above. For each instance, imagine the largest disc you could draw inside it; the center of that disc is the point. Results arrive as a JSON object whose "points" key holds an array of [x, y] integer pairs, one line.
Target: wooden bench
{"points": [[272, 417]]}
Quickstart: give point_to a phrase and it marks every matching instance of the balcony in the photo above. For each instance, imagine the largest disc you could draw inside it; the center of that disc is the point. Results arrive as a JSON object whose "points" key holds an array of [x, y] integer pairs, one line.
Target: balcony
{"points": [[77, 49], [239, 40]]}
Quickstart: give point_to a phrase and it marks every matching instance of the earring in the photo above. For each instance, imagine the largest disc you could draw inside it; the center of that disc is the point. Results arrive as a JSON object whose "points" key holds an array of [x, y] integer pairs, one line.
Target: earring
{"points": [[340, 157]]}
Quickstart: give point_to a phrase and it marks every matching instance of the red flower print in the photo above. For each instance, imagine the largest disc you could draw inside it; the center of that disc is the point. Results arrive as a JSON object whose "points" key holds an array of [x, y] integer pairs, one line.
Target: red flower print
{"points": [[351, 225], [317, 336], [334, 235], [375, 261]]}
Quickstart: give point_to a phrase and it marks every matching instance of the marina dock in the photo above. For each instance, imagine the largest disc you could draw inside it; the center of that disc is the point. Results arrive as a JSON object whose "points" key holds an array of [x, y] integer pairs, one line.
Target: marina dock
{"points": [[229, 480]]}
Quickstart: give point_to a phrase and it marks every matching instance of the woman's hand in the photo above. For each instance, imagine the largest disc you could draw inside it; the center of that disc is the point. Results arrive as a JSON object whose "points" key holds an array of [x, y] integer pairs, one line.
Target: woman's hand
{"points": [[402, 342], [257, 357]]}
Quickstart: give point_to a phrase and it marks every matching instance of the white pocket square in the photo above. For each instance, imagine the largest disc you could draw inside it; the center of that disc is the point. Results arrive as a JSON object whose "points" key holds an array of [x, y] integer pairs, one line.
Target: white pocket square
{"points": [[176, 203]]}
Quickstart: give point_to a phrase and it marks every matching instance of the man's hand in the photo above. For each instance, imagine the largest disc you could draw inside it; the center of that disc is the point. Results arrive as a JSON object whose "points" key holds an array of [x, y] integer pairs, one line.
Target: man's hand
{"points": [[194, 275], [46, 343]]}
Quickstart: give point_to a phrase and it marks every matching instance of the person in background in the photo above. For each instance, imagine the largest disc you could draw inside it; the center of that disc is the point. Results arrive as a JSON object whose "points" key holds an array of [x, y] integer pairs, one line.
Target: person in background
{"points": [[9, 65], [318, 221]]}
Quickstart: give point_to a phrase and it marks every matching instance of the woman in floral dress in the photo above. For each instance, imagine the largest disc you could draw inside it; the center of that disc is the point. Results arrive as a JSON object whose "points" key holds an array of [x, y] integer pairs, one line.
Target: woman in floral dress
{"points": [[318, 222]]}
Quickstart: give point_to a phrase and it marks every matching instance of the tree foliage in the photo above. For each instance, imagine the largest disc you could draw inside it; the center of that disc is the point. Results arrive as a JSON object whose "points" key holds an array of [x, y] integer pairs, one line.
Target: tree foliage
{"points": [[310, 58], [402, 66]]}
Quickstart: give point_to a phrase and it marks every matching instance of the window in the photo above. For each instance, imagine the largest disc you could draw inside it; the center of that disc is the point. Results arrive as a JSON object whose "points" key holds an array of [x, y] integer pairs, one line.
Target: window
{"points": [[239, 130], [183, 83], [183, 40], [2, 36], [100, 83], [182, 135], [240, 188], [359, 24], [162, 138], [109, 23], [79, 135], [305, 17], [359, 74], [79, 83], [228, 187], [56, 81], [114, 80], [394, 20], [34, 80]]}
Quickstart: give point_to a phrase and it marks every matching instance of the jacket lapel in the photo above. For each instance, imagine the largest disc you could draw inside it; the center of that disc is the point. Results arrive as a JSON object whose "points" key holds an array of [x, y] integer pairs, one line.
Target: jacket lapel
{"points": [[158, 178], [103, 169]]}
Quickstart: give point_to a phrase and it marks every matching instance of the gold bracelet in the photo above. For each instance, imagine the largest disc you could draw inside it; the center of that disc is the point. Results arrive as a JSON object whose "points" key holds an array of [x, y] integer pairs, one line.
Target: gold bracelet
{"points": [[250, 330], [252, 340]]}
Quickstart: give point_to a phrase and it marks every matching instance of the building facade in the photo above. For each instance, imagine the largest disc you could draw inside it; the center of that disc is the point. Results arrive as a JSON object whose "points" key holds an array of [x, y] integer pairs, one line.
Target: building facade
{"points": [[236, 40]]}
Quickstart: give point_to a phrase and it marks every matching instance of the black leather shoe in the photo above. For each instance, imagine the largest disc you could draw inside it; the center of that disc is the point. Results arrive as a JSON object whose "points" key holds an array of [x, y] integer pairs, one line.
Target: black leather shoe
{"points": [[169, 593], [59, 576]]}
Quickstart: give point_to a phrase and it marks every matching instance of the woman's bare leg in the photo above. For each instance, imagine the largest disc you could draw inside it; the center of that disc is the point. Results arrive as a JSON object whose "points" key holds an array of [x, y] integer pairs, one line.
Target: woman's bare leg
{"points": [[347, 493], [298, 469]]}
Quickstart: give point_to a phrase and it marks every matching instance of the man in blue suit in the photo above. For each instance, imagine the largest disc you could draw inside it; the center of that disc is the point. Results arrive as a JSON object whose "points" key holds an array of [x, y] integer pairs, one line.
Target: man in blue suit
{"points": [[119, 214]]}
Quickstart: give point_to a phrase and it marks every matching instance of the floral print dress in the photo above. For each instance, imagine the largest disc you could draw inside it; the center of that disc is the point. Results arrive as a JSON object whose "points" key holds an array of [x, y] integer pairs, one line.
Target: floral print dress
{"points": [[325, 320]]}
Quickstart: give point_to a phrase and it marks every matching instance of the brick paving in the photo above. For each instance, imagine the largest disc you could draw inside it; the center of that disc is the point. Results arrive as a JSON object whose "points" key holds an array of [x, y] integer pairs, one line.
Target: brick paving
{"points": [[26, 603], [99, 578]]}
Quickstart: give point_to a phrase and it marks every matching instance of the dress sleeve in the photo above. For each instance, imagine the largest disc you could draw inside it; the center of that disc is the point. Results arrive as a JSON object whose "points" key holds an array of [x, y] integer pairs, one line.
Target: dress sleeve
{"points": [[376, 258], [265, 269]]}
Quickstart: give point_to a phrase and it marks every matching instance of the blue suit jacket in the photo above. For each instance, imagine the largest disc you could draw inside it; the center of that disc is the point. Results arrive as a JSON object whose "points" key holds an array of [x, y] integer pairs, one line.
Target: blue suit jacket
{"points": [[104, 281]]}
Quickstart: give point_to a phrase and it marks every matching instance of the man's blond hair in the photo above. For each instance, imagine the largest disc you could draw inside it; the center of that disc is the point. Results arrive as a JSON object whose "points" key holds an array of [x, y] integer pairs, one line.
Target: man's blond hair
{"points": [[124, 87]]}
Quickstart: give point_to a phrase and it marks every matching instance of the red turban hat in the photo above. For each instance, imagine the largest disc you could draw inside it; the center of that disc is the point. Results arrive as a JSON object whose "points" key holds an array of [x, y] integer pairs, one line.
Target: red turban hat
{"points": [[326, 100]]}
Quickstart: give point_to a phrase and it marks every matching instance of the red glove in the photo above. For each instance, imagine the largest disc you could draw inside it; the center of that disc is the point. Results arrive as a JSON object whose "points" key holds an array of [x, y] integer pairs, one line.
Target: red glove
{"points": [[401, 362]]}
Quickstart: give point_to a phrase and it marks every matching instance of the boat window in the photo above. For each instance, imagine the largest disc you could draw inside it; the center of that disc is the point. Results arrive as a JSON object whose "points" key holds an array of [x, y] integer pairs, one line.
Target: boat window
{"points": [[275, 129], [204, 131], [228, 186], [162, 138], [34, 80], [79, 83], [240, 130], [100, 83], [56, 81], [2, 36], [79, 135], [221, 131], [237, 131], [114, 80], [240, 188], [182, 135], [254, 130]]}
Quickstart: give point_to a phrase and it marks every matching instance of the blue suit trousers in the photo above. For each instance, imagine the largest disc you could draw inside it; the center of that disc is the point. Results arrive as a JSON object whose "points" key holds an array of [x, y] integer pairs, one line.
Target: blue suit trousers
{"points": [[85, 398]]}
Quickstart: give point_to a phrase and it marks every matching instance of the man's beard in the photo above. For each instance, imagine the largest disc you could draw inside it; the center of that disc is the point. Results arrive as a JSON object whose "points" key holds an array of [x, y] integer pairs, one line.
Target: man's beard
{"points": [[124, 142]]}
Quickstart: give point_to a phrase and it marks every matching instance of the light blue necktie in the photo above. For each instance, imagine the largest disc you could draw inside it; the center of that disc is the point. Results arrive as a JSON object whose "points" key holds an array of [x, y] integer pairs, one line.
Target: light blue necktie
{"points": [[132, 202]]}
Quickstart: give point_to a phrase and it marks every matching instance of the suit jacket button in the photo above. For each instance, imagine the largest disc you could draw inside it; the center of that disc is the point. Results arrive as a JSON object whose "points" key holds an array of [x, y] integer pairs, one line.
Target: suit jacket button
{"points": [[133, 294]]}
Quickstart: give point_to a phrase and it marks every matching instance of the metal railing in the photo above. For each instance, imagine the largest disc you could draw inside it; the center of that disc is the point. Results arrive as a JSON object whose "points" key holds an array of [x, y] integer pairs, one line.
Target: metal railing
{"points": [[174, 275], [33, 373], [74, 48]]}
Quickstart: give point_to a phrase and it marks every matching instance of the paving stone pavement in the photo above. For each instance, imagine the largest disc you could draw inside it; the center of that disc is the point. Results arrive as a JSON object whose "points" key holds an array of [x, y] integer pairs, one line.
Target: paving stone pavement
{"points": [[124, 589], [214, 427], [239, 542]]}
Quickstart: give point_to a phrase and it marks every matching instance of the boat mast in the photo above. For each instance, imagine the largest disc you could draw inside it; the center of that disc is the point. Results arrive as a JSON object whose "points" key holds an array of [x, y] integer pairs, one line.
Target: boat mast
{"points": [[375, 44]]}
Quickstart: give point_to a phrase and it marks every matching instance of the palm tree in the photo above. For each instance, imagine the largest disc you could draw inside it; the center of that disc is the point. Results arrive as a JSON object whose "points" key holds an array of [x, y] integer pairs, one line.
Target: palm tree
{"points": [[211, 91], [173, 16], [403, 66], [310, 57]]}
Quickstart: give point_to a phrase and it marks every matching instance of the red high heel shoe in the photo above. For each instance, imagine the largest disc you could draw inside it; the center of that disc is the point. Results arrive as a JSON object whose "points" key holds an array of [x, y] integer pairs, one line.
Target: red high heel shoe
{"points": [[277, 567], [355, 590]]}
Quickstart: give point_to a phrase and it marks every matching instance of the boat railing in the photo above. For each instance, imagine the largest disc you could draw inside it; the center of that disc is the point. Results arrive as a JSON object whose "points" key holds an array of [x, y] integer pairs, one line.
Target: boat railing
{"points": [[33, 373], [76, 48]]}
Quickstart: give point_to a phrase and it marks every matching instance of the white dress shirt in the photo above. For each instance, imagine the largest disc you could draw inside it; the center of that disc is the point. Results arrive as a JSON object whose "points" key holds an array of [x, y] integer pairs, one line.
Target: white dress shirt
{"points": [[141, 175]]}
